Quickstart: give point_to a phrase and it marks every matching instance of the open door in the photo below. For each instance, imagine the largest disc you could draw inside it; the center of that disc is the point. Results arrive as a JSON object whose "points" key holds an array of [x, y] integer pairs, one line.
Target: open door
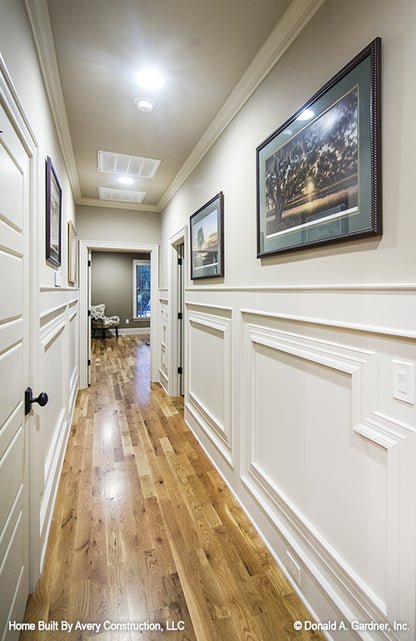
{"points": [[181, 318]]}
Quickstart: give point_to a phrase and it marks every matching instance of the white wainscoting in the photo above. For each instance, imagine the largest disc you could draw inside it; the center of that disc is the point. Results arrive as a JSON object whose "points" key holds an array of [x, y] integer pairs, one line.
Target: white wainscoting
{"points": [[163, 333], [290, 392], [209, 380], [59, 378]]}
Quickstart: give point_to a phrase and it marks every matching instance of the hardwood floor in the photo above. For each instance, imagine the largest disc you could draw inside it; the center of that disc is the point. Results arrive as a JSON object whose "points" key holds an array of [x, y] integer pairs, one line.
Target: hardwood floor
{"points": [[145, 530]]}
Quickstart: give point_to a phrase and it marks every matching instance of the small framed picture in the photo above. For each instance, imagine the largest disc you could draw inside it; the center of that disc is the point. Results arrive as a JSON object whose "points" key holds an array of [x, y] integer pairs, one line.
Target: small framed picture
{"points": [[53, 215], [207, 239], [319, 174], [72, 254]]}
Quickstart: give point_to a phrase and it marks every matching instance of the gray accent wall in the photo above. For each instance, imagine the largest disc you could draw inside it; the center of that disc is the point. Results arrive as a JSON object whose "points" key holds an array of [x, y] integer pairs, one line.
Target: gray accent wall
{"points": [[112, 284]]}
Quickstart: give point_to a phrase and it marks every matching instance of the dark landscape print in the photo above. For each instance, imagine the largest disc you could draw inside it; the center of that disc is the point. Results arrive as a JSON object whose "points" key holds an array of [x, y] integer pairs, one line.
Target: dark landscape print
{"points": [[315, 174], [205, 246]]}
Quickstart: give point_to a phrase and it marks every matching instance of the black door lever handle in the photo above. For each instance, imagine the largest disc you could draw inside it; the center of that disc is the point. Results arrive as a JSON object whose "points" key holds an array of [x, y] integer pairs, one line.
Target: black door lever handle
{"points": [[42, 399]]}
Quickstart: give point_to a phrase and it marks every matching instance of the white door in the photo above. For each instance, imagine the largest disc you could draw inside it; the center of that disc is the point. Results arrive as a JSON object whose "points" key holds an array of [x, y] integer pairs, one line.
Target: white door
{"points": [[15, 195], [181, 317]]}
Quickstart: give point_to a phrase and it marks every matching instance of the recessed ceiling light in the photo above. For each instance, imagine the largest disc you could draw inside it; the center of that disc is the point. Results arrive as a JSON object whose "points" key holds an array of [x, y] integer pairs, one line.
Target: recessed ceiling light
{"points": [[306, 114], [125, 180], [145, 104], [150, 79]]}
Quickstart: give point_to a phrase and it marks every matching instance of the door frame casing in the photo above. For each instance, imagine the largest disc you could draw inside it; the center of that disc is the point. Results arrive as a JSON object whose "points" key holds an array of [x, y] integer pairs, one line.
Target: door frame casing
{"points": [[86, 246], [177, 239]]}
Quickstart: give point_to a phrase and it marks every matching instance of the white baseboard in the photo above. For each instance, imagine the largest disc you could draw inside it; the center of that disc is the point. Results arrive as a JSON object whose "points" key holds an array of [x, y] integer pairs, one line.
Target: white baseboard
{"points": [[134, 330]]}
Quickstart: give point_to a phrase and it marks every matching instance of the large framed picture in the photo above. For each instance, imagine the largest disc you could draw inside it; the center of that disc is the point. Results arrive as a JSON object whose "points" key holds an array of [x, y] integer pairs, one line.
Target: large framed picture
{"points": [[207, 239], [319, 174], [53, 215], [72, 254]]}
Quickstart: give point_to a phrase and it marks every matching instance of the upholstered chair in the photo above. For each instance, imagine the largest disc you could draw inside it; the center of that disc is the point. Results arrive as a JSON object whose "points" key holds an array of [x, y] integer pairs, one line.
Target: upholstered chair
{"points": [[100, 321]]}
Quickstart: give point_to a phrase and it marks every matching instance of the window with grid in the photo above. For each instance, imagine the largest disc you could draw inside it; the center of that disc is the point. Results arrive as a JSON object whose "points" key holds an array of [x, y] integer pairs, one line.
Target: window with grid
{"points": [[141, 288]]}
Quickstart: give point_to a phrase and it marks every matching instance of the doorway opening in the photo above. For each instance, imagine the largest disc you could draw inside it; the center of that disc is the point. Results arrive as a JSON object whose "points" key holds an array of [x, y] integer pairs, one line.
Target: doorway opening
{"points": [[152, 252], [181, 314], [177, 311]]}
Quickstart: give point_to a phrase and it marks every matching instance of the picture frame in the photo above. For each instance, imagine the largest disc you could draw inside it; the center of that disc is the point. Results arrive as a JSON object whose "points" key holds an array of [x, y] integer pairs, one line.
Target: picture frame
{"points": [[72, 254], [207, 239], [53, 215], [319, 174]]}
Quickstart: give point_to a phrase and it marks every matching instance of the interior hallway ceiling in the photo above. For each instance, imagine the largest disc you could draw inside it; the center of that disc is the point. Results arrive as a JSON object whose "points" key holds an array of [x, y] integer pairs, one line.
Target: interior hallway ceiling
{"points": [[201, 48]]}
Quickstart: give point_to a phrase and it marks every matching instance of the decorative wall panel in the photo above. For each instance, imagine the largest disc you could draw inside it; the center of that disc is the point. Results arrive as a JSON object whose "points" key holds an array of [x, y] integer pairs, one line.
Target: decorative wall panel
{"points": [[59, 378], [312, 406], [209, 382], [163, 333]]}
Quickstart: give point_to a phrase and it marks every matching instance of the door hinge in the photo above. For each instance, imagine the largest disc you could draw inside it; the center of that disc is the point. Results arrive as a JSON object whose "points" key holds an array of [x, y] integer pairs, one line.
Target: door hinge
{"points": [[89, 362], [180, 316], [89, 263], [180, 261], [89, 312], [180, 370]]}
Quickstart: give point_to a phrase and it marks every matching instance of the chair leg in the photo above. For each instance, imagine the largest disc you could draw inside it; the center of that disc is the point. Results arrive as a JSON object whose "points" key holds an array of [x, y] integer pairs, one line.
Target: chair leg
{"points": [[116, 331]]}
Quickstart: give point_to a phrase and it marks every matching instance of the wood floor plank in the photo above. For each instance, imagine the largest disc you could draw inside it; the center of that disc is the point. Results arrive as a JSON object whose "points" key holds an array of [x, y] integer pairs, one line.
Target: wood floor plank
{"points": [[146, 532]]}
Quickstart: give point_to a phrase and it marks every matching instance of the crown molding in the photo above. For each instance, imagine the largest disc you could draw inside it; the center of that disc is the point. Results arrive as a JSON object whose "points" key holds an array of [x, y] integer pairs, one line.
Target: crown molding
{"points": [[38, 14], [293, 21]]}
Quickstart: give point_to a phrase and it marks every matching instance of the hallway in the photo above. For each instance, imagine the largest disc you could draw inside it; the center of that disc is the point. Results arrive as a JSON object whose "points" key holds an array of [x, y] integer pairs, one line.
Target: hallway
{"points": [[145, 531]]}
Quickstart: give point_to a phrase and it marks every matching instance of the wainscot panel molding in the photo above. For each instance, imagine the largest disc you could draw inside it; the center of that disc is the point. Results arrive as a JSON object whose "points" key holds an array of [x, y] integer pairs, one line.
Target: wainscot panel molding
{"points": [[369, 586], [163, 333], [304, 423], [382, 309], [59, 378], [209, 381]]}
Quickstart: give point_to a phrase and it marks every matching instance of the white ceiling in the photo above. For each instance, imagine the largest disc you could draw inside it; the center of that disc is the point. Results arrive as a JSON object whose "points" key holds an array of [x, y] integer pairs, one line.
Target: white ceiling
{"points": [[205, 49]]}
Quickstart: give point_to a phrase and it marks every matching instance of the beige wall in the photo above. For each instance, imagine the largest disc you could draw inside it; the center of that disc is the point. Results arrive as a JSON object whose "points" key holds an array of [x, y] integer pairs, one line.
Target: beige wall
{"points": [[112, 284], [117, 225], [17, 49], [334, 36]]}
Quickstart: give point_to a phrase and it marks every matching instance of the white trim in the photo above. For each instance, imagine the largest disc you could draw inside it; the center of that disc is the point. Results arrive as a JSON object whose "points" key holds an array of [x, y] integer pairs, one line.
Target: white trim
{"points": [[220, 435], [84, 247], [173, 343], [131, 331], [346, 590], [37, 11], [311, 320], [336, 287]]}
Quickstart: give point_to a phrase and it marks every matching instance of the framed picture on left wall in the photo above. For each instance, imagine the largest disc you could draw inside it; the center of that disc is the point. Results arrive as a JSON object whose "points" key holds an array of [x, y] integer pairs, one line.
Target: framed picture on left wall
{"points": [[72, 254], [53, 215]]}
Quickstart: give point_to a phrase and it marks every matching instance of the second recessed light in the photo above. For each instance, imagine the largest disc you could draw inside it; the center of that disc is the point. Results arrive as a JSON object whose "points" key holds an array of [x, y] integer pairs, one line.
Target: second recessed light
{"points": [[145, 104]]}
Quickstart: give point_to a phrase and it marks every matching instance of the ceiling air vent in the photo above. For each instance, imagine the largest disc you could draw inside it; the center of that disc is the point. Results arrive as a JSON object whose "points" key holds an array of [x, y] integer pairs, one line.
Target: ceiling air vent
{"points": [[134, 166], [121, 195]]}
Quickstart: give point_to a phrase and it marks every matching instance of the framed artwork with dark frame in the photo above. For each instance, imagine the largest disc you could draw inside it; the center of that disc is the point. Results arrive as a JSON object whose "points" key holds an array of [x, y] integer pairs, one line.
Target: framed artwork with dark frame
{"points": [[319, 174], [207, 239], [53, 215], [72, 254]]}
